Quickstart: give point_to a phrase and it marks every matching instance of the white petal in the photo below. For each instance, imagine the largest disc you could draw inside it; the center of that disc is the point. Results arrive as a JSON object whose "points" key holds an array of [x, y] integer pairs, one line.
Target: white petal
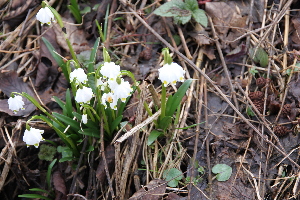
{"points": [[84, 95], [79, 75], [45, 16], [84, 118], [15, 103], [110, 70], [33, 136]]}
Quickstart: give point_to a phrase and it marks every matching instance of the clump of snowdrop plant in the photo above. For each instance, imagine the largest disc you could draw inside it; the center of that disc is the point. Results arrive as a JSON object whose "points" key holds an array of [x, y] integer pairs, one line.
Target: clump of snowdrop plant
{"points": [[169, 73], [97, 94]]}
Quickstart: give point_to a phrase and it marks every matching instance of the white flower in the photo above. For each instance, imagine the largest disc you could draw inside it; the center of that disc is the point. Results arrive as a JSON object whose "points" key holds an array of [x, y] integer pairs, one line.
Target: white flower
{"points": [[45, 16], [79, 75], [122, 90], [111, 99], [33, 137], [84, 118], [171, 73], [84, 95], [110, 70], [15, 103]]}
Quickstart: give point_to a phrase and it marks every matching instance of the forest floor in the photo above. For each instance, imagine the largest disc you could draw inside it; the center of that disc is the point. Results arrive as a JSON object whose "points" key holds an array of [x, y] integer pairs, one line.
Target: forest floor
{"points": [[241, 109]]}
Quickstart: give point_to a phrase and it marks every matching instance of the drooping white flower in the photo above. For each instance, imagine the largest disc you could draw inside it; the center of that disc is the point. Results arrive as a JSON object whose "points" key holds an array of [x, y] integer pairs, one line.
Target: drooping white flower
{"points": [[84, 95], [79, 75], [171, 73], [111, 99], [33, 136], [16, 103], [122, 90], [84, 118], [110, 70], [45, 16]]}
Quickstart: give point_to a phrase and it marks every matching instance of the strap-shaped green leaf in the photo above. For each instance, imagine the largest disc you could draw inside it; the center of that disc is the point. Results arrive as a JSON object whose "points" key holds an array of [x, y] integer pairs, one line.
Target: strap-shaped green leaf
{"points": [[69, 107], [165, 122], [175, 100], [75, 13], [93, 56], [48, 177], [116, 123], [34, 196], [153, 136], [68, 121], [90, 132], [57, 58]]}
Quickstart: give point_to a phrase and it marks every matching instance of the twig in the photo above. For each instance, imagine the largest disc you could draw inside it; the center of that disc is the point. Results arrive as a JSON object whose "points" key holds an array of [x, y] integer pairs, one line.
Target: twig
{"points": [[138, 127], [73, 188], [223, 63], [105, 162]]}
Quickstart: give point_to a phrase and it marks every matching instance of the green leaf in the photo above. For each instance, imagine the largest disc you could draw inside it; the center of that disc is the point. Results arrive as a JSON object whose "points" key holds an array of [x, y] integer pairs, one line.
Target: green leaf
{"points": [[175, 100], [48, 176], [182, 19], [153, 136], [165, 122], [191, 126], [66, 152], [76, 13], [250, 111], [169, 9], [93, 56], [85, 10], [173, 176], [116, 123], [106, 56], [74, 125], [191, 5], [90, 132], [253, 71], [66, 159], [34, 196], [260, 56], [39, 190], [200, 17], [223, 172], [69, 106], [57, 58]]}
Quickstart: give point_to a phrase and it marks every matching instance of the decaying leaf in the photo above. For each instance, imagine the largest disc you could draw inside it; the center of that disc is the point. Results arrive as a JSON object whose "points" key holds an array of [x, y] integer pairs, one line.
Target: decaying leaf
{"points": [[47, 68], [10, 82], [154, 190], [59, 185]]}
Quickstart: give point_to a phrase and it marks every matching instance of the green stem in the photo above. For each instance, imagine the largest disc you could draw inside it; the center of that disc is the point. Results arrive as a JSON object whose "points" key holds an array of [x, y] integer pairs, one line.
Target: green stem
{"points": [[32, 100], [147, 109], [89, 109], [163, 102], [66, 139], [102, 111], [71, 49], [106, 126]]}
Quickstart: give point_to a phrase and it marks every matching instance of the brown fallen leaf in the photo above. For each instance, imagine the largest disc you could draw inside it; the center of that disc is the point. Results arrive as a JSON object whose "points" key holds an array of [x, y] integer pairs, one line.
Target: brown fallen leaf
{"points": [[154, 190], [59, 185], [47, 68], [10, 82]]}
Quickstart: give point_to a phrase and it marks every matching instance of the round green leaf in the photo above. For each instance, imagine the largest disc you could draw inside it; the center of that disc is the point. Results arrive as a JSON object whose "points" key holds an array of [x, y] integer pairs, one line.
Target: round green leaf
{"points": [[172, 175], [223, 172]]}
